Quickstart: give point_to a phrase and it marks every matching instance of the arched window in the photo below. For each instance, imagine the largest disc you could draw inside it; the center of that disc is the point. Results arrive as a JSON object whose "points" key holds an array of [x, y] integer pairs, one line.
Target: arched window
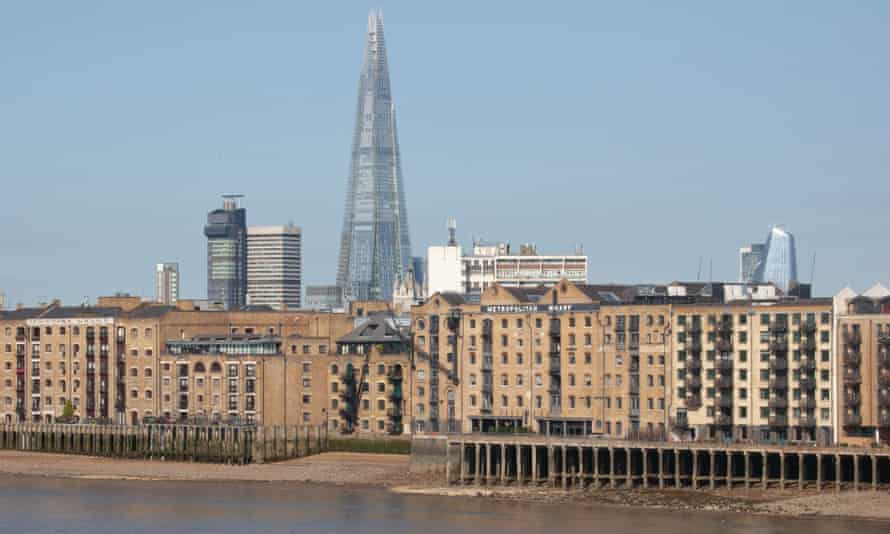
{"points": [[199, 368], [215, 367], [334, 369]]}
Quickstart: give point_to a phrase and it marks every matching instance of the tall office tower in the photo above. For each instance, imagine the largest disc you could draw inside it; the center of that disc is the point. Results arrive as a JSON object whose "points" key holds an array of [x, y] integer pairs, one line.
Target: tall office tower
{"points": [[779, 265], [375, 248], [274, 266], [167, 283], [226, 232], [750, 258]]}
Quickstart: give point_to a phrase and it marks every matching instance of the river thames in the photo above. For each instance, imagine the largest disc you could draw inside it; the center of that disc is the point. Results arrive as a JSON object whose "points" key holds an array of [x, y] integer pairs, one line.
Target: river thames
{"points": [[30, 504]]}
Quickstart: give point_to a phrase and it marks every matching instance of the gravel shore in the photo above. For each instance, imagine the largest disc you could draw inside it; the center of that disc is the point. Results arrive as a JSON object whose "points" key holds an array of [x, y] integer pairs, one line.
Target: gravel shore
{"points": [[391, 471]]}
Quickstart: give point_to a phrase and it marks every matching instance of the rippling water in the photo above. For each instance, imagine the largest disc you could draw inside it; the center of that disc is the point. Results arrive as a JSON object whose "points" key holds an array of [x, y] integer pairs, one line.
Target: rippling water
{"points": [[96, 507]]}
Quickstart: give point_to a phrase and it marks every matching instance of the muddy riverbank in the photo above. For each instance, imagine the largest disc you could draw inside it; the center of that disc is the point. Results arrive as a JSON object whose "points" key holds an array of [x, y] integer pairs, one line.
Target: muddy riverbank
{"points": [[391, 471]]}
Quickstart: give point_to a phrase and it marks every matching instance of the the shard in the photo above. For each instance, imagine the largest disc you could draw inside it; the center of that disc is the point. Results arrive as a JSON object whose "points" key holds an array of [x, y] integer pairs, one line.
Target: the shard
{"points": [[375, 249]]}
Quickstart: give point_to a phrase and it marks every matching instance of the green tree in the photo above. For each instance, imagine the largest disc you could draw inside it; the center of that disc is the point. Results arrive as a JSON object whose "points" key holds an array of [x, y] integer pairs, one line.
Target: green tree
{"points": [[68, 412]]}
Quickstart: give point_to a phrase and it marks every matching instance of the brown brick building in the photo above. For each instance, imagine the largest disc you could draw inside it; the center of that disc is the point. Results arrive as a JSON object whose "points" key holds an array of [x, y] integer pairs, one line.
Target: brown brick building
{"points": [[621, 362], [863, 367]]}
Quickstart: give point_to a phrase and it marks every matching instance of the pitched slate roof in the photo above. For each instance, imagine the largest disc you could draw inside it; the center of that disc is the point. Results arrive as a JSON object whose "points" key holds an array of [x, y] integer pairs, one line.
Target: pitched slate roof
{"points": [[377, 329]]}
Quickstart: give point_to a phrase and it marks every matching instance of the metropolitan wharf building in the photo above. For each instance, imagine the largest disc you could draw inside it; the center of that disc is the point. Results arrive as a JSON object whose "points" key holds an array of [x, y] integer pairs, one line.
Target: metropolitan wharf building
{"points": [[375, 248], [226, 232]]}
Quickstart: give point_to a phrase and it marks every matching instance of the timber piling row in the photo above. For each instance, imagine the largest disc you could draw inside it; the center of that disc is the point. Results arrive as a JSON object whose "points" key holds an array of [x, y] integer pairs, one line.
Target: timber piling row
{"points": [[564, 463], [211, 443]]}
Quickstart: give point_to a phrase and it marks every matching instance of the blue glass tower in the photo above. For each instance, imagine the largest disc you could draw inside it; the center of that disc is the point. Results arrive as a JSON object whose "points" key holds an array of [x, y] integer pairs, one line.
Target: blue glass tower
{"points": [[779, 264], [375, 248]]}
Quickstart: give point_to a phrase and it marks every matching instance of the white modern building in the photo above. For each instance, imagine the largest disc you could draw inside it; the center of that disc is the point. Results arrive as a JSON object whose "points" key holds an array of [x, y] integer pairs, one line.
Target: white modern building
{"points": [[449, 270], [274, 266], [167, 283]]}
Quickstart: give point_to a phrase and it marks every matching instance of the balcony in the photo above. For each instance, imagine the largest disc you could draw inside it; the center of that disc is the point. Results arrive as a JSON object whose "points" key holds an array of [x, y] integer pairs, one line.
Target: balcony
{"points": [[884, 358], [852, 337], [852, 358], [852, 377], [778, 402], [693, 381], [723, 345], [808, 327], [679, 422], [778, 382], [693, 345], [806, 382], [851, 419], [884, 379], [808, 344], [554, 328], [778, 327], [884, 419], [695, 328], [555, 363], [722, 419], [807, 420], [807, 403], [808, 365], [723, 381], [693, 402], [394, 375], [778, 346], [486, 329], [724, 324], [693, 364], [778, 421], [724, 401], [777, 363], [724, 364]]}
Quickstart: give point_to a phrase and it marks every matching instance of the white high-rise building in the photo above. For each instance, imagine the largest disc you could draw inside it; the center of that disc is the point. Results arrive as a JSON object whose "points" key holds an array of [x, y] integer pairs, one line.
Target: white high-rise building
{"points": [[449, 270], [167, 283], [274, 266]]}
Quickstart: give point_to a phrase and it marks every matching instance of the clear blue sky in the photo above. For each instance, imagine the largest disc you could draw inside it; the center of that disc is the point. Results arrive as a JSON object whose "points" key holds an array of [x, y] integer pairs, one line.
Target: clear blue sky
{"points": [[652, 133]]}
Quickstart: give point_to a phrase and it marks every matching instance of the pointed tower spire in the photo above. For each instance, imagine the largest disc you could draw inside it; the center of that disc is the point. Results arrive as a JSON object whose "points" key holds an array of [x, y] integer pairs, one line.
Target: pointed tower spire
{"points": [[375, 248]]}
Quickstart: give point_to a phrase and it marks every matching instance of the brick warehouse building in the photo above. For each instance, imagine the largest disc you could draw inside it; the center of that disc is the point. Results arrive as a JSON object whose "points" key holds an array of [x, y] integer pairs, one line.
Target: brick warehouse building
{"points": [[611, 361]]}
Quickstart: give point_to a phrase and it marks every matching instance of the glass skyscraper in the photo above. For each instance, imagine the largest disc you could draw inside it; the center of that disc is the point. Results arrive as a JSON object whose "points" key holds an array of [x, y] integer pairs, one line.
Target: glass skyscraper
{"points": [[226, 232], [779, 260], [375, 248], [750, 258]]}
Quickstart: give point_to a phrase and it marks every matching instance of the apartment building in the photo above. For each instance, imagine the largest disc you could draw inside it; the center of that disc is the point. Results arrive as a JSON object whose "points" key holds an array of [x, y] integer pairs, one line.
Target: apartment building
{"points": [[756, 371], [125, 361], [369, 378], [863, 368], [624, 361], [570, 359]]}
